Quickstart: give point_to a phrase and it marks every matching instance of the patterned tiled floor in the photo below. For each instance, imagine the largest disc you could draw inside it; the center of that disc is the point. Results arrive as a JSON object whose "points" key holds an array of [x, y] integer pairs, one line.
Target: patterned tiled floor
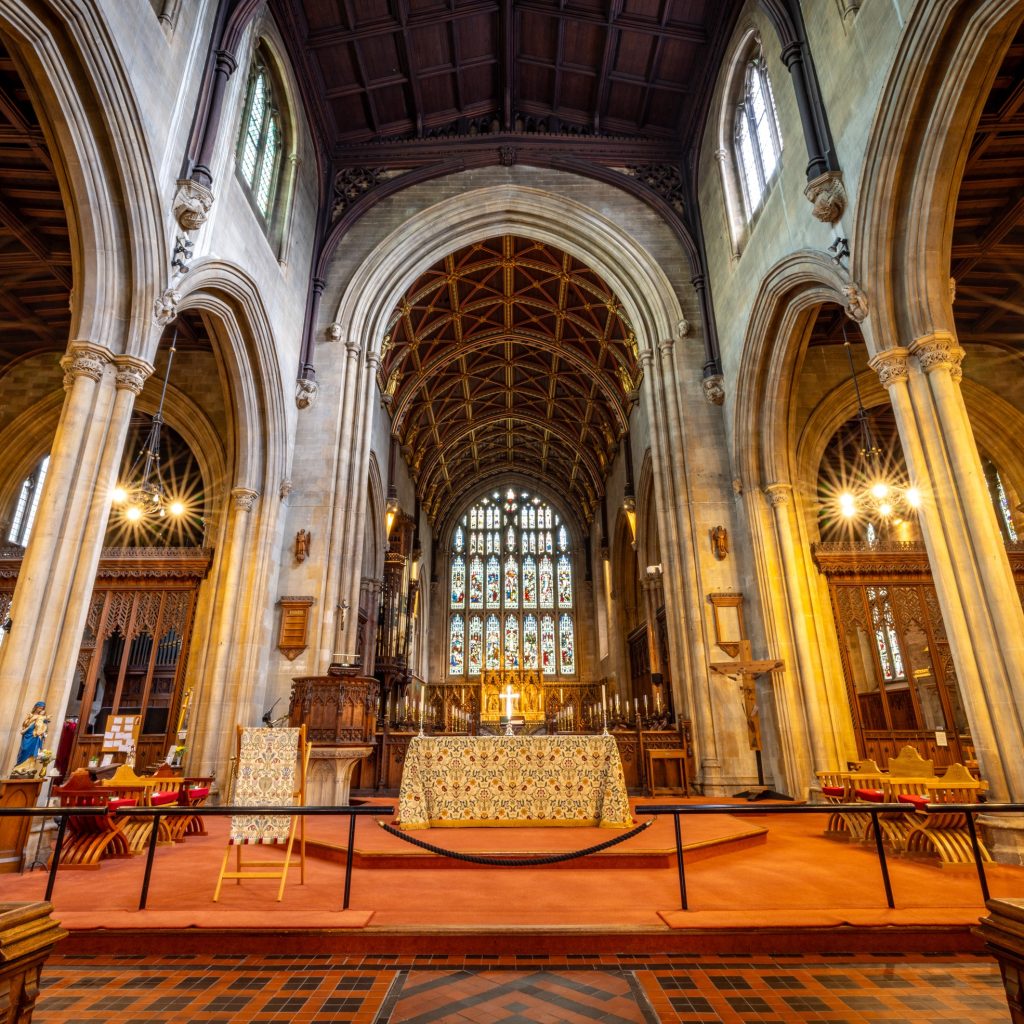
{"points": [[483, 989]]}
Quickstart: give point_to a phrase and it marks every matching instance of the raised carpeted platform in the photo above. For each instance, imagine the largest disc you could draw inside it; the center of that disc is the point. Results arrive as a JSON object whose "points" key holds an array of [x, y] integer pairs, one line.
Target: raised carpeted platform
{"points": [[789, 888]]}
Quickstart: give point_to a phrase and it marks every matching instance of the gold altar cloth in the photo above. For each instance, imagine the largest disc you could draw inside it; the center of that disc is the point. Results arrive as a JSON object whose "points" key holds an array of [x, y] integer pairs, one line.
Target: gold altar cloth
{"points": [[457, 781]]}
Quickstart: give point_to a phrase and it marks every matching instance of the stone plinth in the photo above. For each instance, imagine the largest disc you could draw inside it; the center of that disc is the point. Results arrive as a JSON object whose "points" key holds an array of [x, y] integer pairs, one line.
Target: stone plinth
{"points": [[27, 936], [330, 774], [1003, 932]]}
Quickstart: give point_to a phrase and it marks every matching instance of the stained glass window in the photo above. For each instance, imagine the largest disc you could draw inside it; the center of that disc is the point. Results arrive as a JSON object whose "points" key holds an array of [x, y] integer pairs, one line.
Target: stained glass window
{"points": [[530, 641], [889, 654], [566, 645], [547, 586], [259, 153], [458, 581], [757, 141], [510, 552], [457, 646], [476, 583], [564, 582], [511, 641], [493, 643], [529, 582], [511, 582], [476, 645], [547, 645], [493, 583]]}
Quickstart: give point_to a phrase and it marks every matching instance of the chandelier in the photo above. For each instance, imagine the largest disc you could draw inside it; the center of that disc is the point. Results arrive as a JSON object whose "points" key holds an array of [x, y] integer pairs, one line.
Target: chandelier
{"points": [[875, 494], [144, 497]]}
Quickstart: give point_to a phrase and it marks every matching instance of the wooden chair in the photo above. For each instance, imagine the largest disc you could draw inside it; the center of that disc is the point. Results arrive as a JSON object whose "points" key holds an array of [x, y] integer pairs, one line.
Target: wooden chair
{"points": [[191, 791], [90, 839], [944, 832], [863, 786], [138, 830], [266, 829]]}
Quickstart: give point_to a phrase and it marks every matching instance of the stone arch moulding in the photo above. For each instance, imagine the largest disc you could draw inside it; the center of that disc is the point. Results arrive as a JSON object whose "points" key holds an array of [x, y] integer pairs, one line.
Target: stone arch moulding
{"points": [[762, 448], [916, 153], [375, 503], [119, 248], [633, 275], [248, 354]]}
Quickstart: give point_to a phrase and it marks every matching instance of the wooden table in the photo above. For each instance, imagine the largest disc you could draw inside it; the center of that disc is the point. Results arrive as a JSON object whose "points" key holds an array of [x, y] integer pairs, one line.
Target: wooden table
{"points": [[513, 780]]}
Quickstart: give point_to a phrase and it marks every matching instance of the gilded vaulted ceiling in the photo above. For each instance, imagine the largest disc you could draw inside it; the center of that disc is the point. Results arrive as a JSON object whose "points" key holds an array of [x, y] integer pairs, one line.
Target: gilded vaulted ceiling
{"points": [[509, 357]]}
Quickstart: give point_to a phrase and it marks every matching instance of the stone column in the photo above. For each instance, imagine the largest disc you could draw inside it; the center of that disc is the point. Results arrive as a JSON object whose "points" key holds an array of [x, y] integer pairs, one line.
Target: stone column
{"points": [[43, 591], [981, 611], [129, 380], [221, 691], [801, 709]]}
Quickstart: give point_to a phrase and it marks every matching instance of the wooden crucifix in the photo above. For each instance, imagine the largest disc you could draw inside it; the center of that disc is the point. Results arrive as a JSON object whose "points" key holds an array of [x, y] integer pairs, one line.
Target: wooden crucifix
{"points": [[748, 668], [508, 698]]}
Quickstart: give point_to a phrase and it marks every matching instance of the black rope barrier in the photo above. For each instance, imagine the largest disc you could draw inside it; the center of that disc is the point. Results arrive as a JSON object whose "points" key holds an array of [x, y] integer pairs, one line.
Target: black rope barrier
{"points": [[515, 862]]}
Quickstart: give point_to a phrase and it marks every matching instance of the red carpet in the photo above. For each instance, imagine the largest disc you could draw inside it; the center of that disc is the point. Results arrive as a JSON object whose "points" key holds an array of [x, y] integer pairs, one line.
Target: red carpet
{"points": [[795, 879]]}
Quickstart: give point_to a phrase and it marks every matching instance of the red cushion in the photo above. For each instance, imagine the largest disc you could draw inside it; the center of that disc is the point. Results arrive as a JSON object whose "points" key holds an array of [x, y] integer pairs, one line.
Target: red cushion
{"points": [[833, 790], [876, 796], [917, 799], [199, 793], [168, 796], [123, 802]]}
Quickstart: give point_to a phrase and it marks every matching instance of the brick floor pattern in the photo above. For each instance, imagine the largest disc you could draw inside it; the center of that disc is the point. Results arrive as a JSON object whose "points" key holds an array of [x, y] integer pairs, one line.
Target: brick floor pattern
{"points": [[535, 989]]}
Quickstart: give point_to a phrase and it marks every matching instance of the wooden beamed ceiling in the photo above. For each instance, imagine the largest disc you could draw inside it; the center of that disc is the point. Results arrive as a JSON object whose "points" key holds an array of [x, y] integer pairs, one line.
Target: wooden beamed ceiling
{"points": [[408, 69], [35, 248], [509, 357], [988, 230]]}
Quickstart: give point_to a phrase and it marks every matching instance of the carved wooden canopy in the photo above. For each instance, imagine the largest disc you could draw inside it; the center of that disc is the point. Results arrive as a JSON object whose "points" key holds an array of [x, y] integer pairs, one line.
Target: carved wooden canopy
{"points": [[509, 357]]}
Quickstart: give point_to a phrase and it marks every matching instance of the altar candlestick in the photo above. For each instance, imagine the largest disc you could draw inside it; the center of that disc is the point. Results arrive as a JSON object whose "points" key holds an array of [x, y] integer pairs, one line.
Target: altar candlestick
{"points": [[657, 703], [423, 704], [645, 705], [617, 709]]}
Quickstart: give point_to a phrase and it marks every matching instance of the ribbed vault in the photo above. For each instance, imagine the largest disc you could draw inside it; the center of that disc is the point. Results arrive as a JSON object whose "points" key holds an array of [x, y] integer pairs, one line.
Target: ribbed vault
{"points": [[509, 357]]}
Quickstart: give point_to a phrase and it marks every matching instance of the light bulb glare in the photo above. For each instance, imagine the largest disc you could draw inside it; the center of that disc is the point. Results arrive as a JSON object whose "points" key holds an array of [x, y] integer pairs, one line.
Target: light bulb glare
{"points": [[880, 490], [913, 497], [133, 513], [120, 495], [885, 509], [177, 508]]}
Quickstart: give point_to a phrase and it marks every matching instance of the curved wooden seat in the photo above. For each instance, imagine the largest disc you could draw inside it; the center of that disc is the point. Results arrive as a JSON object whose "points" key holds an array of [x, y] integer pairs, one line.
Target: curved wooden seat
{"points": [[90, 839]]}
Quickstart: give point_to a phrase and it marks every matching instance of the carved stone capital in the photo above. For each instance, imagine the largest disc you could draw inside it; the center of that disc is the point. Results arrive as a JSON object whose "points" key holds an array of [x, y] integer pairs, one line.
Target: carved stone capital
{"points": [[856, 303], [132, 374], [891, 366], [84, 360], [191, 204], [165, 308], [778, 494], [665, 347], [244, 498], [714, 389], [373, 360], [938, 351], [305, 393], [827, 194], [645, 357]]}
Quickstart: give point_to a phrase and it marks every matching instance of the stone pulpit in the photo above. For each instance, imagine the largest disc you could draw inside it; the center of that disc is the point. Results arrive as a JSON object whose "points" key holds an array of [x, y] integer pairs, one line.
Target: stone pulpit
{"points": [[339, 711]]}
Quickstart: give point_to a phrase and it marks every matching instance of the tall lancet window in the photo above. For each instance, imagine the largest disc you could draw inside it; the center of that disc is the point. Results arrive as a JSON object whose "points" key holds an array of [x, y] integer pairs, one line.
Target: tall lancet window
{"points": [[260, 146], [757, 140], [528, 564]]}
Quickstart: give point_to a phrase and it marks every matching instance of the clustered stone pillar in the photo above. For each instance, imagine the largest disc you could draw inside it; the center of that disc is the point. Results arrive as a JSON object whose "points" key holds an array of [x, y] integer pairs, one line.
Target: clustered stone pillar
{"points": [[980, 607], [223, 694], [59, 567]]}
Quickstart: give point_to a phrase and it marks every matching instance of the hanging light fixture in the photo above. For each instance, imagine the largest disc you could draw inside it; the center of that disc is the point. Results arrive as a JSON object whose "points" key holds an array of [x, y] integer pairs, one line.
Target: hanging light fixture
{"points": [[144, 496], [879, 498]]}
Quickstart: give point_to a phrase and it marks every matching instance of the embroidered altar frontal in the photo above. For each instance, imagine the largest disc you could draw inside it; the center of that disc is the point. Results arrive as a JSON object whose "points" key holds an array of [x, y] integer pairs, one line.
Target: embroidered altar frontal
{"points": [[453, 781]]}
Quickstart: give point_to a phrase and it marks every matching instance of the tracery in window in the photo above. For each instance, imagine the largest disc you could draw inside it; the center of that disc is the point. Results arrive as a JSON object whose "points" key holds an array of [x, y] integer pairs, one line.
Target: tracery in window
{"points": [[884, 622], [259, 157], [757, 140], [502, 535]]}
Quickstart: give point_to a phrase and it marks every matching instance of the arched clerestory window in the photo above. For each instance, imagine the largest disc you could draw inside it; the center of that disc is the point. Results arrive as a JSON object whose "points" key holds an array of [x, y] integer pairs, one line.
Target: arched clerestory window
{"points": [[757, 140], [261, 144], [27, 505], [512, 589]]}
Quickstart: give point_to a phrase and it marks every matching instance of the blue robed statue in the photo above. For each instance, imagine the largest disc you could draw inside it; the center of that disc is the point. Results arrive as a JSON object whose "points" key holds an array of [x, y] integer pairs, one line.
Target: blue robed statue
{"points": [[33, 732]]}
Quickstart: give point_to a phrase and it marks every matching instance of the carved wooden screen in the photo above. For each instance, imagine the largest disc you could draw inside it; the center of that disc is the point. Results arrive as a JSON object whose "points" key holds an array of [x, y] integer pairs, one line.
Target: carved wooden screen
{"points": [[134, 650], [900, 677]]}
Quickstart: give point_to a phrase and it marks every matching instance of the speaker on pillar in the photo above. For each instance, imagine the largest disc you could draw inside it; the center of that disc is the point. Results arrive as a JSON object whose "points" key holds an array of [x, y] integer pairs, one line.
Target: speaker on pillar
{"points": [[657, 679]]}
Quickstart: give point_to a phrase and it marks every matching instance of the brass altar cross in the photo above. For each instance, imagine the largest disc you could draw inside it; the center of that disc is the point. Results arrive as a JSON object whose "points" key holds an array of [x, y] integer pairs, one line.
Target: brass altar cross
{"points": [[508, 696], [748, 669]]}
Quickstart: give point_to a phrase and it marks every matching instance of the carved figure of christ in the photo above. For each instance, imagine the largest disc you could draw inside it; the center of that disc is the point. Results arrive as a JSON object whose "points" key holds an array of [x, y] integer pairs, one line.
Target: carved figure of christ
{"points": [[748, 669]]}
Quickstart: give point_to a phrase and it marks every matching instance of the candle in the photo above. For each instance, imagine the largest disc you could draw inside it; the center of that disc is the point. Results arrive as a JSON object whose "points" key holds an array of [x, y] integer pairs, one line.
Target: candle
{"points": [[604, 702], [423, 701], [645, 705], [657, 702], [617, 708]]}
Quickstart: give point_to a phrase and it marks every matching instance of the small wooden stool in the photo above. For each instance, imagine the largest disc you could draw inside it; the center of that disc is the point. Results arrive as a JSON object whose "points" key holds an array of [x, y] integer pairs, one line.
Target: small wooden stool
{"points": [[666, 755]]}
